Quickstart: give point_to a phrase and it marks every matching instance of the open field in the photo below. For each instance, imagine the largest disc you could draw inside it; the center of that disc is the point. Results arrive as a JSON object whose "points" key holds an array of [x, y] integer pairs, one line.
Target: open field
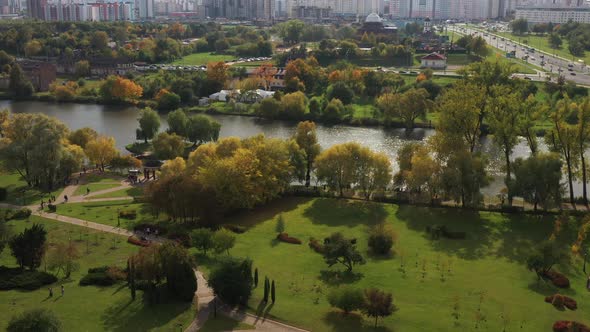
{"points": [[103, 212], [81, 190], [487, 267], [198, 59], [91, 308], [18, 191], [131, 192]]}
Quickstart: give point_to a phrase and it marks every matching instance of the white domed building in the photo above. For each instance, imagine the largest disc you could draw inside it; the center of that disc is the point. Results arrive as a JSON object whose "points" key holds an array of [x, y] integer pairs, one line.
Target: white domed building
{"points": [[374, 24]]}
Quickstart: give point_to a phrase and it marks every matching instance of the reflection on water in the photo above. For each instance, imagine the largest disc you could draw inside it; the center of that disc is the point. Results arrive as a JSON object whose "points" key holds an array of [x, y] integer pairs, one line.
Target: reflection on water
{"points": [[121, 122]]}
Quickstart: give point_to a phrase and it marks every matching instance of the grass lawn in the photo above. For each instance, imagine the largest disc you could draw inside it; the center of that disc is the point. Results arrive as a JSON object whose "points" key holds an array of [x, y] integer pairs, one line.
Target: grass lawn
{"points": [[132, 192], [104, 212], [542, 43], [198, 59], [18, 191], [91, 308], [94, 187], [487, 268], [223, 323]]}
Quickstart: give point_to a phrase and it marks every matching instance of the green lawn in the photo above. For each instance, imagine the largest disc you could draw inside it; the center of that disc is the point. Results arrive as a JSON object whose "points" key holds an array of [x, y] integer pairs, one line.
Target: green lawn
{"points": [[487, 267], [131, 192], [223, 323], [94, 187], [104, 212], [542, 43], [91, 308], [198, 59], [18, 191]]}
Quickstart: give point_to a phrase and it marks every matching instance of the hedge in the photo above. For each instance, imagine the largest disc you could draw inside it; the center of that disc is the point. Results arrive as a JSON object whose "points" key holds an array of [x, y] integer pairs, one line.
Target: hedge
{"points": [[15, 278]]}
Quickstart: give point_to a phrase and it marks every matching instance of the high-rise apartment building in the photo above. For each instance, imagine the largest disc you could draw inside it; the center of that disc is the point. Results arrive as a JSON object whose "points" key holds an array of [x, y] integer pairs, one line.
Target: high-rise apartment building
{"points": [[240, 9]]}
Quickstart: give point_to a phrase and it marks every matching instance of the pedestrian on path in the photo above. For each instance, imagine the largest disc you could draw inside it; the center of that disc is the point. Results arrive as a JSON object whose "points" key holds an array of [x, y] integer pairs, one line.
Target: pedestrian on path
{"points": [[66, 198], [50, 292], [87, 190], [42, 205], [62, 290]]}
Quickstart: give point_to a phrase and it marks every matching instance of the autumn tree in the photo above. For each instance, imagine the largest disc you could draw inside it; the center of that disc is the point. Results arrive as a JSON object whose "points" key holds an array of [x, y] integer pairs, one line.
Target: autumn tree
{"points": [[378, 304], [62, 258], [306, 137], [19, 85], [418, 170], [562, 139], [117, 88], [294, 105], [217, 75], [407, 106], [168, 146], [266, 73], [583, 140], [101, 151], [82, 136], [149, 124]]}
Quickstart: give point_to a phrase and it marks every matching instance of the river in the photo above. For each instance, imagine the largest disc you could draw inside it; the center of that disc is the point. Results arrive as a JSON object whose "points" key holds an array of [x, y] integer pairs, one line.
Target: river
{"points": [[121, 122]]}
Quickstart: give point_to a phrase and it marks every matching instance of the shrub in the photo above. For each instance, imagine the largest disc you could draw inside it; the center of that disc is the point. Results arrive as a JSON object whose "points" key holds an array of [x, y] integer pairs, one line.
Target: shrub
{"points": [[138, 242], [116, 273], [284, 237], [567, 326], [381, 239], [97, 279], [153, 227], [235, 228], [52, 208], [100, 269], [560, 301], [15, 278], [558, 279], [35, 320], [346, 299], [316, 245], [22, 213], [183, 239], [128, 214]]}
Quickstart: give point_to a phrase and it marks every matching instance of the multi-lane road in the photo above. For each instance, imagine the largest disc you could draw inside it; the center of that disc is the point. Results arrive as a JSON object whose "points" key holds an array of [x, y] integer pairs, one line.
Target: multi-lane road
{"points": [[547, 63]]}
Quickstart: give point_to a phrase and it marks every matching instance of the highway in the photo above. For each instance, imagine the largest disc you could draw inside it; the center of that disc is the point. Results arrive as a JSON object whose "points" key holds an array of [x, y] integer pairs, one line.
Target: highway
{"points": [[551, 65]]}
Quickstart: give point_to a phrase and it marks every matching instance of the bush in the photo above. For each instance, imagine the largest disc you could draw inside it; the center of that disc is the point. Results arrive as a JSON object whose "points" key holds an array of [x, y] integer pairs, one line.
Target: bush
{"points": [[138, 242], [567, 326], [128, 214], [346, 299], [381, 239], [284, 237], [560, 301], [235, 228], [316, 245], [52, 208], [183, 239], [153, 228], [38, 320], [558, 279], [97, 279], [22, 213], [15, 278], [100, 269]]}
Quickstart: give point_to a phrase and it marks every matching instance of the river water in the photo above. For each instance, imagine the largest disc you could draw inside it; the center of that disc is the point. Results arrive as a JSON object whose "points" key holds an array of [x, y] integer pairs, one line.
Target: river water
{"points": [[121, 122]]}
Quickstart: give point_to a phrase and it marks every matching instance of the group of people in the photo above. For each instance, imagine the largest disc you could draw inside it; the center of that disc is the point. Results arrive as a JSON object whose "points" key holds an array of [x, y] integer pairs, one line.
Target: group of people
{"points": [[51, 199], [51, 291]]}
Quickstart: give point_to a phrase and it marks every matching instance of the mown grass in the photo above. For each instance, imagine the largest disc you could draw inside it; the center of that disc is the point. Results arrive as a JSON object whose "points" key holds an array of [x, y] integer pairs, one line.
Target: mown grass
{"points": [[94, 187], [91, 308], [105, 212], [198, 59], [19, 193], [131, 192], [486, 270]]}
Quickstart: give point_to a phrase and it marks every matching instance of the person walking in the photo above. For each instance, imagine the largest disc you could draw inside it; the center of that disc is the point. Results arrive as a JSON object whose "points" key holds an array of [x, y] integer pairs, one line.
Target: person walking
{"points": [[50, 292], [62, 290], [87, 190], [66, 198]]}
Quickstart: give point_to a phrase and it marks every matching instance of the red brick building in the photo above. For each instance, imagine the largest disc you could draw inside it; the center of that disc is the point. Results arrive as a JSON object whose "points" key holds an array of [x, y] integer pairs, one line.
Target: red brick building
{"points": [[41, 74]]}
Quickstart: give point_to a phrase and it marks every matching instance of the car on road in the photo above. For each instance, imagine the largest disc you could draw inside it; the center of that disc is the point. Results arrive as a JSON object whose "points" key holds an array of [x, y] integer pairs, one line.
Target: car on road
{"points": [[528, 78], [573, 73]]}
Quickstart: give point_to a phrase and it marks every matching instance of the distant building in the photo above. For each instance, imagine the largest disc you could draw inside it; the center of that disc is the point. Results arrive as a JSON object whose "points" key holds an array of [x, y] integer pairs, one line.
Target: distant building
{"points": [[374, 24], [41, 74], [536, 15], [239, 9], [433, 61], [145, 9]]}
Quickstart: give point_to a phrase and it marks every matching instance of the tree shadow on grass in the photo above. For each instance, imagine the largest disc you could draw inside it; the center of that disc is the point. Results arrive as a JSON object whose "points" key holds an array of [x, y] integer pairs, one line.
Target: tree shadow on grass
{"points": [[335, 278], [351, 322], [342, 212], [480, 233], [546, 288], [138, 315], [250, 218]]}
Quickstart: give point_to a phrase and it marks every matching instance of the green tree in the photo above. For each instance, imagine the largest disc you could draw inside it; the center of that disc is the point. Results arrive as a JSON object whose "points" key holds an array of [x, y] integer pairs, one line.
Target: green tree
{"points": [[544, 257], [341, 91], [537, 179], [346, 298], [583, 140], [306, 137], [223, 240], [407, 106], [28, 247], [291, 31], [168, 100], [82, 136], [519, 26], [272, 292], [177, 267], [34, 320], [555, 41], [202, 128], [99, 40], [340, 250], [202, 239], [82, 68], [280, 226], [231, 280], [269, 108], [378, 304], [334, 111], [294, 105], [149, 123], [462, 177], [178, 123], [19, 85], [266, 289], [168, 146]]}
